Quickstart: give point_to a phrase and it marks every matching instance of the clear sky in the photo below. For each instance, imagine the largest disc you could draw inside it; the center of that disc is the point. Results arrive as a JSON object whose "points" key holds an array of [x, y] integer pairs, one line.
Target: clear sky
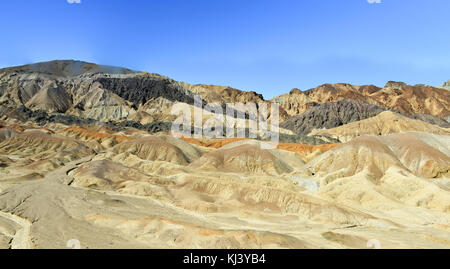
{"points": [[268, 46]]}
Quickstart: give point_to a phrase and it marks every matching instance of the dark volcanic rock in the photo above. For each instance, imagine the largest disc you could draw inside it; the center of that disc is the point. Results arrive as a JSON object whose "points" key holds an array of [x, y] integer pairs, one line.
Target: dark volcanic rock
{"points": [[140, 89], [41, 117], [430, 119], [330, 115]]}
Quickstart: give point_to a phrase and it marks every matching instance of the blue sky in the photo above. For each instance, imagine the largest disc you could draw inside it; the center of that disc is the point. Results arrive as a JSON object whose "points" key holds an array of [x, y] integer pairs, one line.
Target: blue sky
{"points": [[259, 45]]}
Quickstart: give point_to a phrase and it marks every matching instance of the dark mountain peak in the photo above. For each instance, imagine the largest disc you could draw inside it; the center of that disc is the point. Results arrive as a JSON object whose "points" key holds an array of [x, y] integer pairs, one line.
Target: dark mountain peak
{"points": [[67, 68]]}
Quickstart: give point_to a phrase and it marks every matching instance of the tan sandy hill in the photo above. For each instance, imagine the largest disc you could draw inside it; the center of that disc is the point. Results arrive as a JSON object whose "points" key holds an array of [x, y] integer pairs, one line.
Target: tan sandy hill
{"points": [[419, 99], [37, 149], [157, 149], [382, 124], [148, 193], [219, 191], [306, 150], [105, 139], [38, 142], [248, 156], [106, 175], [174, 216], [301, 149], [211, 142], [421, 154], [196, 235], [50, 98], [396, 174], [191, 152], [213, 192], [401, 196]]}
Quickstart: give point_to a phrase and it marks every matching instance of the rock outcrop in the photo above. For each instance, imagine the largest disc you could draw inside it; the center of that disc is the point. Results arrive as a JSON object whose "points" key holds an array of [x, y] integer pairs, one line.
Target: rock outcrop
{"points": [[107, 93], [330, 115], [418, 99]]}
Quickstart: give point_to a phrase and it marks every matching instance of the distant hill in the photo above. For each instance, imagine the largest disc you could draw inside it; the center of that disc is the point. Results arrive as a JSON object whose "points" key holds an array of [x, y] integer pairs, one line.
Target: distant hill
{"points": [[87, 92], [418, 99], [67, 68]]}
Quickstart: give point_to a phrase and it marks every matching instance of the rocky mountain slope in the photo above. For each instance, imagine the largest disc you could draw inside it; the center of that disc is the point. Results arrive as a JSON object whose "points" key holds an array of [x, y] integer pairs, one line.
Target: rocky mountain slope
{"points": [[330, 115], [335, 114], [106, 93], [103, 93], [419, 99]]}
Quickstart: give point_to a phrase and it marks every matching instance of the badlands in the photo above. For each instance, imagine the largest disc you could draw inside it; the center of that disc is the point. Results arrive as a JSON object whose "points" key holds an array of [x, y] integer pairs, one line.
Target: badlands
{"points": [[87, 154]]}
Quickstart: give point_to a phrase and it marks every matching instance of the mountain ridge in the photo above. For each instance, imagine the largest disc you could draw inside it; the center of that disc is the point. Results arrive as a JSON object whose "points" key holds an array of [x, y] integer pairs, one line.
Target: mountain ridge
{"points": [[418, 99], [335, 114], [106, 93]]}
